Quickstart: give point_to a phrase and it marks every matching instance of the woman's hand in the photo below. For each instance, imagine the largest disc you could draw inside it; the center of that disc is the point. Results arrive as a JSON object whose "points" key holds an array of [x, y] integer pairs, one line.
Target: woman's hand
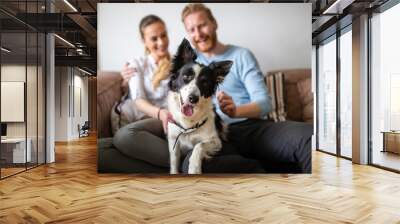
{"points": [[226, 104], [126, 73], [164, 115]]}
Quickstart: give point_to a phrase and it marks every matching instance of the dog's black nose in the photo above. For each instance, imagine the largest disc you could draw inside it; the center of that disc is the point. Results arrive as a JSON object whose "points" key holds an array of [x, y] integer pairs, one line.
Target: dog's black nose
{"points": [[193, 99]]}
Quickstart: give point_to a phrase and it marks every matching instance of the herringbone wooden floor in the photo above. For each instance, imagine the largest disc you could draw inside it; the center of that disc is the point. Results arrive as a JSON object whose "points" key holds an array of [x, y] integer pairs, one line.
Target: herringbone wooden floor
{"points": [[71, 191]]}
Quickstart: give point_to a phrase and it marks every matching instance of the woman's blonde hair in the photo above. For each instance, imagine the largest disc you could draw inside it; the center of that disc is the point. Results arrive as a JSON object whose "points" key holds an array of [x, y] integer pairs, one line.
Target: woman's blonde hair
{"points": [[197, 7], [163, 69], [162, 72]]}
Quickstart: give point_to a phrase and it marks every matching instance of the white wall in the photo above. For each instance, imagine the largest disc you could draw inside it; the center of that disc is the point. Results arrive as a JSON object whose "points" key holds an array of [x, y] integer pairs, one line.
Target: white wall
{"points": [[14, 73], [61, 103], [17, 73], [67, 80], [278, 34], [80, 83]]}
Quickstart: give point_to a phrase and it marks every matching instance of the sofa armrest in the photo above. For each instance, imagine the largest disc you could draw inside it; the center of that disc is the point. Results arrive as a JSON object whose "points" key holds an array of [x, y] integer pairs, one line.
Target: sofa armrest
{"points": [[108, 92]]}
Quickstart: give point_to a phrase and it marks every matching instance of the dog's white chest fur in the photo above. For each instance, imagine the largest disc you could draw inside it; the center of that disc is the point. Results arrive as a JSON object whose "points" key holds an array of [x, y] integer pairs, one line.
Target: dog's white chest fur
{"points": [[187, 140], [204, 140]]}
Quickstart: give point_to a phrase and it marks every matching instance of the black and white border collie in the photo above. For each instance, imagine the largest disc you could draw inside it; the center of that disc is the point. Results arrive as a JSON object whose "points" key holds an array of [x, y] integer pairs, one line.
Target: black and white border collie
{"points": [[194, 124]]}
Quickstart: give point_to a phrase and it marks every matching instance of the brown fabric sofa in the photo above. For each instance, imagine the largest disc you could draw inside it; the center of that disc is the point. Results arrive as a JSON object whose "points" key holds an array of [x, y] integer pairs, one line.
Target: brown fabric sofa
{"points": [[298, 100], [110, 160], [109, 91]]}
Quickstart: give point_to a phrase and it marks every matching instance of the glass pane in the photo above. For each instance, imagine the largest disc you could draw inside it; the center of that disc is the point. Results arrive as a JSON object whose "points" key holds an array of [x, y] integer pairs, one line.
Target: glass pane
{"points": [[41, 98], [23, 87], [386, 89], [31, 84], [31, 97], [346, 94], [13, 86], [327, 97]]}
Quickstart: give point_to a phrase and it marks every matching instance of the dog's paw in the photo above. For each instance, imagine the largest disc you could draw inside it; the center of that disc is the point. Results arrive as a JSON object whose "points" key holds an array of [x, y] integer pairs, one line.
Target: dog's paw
{"points": [[173, 171], [194, 170]]}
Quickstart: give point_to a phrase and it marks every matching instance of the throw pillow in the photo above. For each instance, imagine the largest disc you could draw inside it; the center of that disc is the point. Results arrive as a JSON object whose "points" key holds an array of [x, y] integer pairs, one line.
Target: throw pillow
{"points": [[123, 112], [270, 82], [275, 84], [280, 96]]}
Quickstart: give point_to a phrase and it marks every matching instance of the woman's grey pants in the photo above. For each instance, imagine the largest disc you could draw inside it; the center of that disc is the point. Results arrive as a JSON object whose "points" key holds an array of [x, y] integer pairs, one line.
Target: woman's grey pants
{"points": [[145, 140]]}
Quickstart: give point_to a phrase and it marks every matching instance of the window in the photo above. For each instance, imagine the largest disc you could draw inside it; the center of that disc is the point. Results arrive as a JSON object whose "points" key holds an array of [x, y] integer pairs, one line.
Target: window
{"points": [[346, 94], [327, 96], [385, 86]]}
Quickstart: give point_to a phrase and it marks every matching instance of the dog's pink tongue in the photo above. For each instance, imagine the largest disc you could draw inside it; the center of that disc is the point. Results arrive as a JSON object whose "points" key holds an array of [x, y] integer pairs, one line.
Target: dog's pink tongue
{"points": [[187, 110]]}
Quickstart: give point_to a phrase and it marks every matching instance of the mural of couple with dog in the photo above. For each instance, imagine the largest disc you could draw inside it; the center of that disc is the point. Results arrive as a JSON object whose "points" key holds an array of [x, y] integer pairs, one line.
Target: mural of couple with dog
{"points": [[203, 109]]}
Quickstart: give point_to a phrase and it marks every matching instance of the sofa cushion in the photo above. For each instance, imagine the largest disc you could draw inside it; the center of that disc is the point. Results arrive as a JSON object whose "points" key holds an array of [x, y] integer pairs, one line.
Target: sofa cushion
{"points": [[304, 88], [308, 113], [107, 80], [306, 97], [294, 105], [108, 92]]}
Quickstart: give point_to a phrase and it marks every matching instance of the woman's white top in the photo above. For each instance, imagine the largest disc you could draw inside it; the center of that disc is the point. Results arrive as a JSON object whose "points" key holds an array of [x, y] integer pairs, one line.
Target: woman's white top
{"points": [[140, 85]]}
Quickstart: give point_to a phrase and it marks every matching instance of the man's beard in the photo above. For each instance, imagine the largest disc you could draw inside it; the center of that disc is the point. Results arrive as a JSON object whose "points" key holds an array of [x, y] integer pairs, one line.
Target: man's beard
{"points": [[211, 43]]}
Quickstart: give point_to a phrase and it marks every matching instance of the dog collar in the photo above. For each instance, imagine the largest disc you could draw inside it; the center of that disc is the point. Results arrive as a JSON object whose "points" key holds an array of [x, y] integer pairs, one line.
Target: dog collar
{"points": [[185, 130], [188, 130]]}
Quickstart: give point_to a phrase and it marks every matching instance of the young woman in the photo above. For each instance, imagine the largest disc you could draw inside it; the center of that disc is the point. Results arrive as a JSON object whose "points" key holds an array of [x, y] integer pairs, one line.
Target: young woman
{"points": [[148, 88], [147, 78]]}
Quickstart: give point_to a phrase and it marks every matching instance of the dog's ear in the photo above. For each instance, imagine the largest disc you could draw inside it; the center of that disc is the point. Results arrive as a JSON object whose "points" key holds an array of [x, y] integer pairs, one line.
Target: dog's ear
{"points": [[172, 82], [185, 54], [221, 69]]}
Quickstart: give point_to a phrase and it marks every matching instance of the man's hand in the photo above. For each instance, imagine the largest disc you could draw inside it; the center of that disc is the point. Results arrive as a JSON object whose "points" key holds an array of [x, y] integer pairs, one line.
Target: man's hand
{"points": [[226, 104], [164, 117], [126, 73]]}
